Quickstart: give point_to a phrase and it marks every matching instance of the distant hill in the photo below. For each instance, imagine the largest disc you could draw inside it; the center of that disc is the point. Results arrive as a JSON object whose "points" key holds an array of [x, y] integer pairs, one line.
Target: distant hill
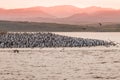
{"points": [[19, 14], [14, 26], [101, 16], [65, 14]]}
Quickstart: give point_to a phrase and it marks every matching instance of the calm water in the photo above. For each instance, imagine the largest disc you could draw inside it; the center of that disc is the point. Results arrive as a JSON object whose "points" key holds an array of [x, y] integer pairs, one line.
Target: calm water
{"points": [[60, 65], [114, 36]]}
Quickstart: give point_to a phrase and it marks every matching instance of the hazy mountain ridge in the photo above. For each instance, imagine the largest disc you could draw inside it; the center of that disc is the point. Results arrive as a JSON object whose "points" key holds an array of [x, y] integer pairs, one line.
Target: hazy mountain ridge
{"points": [[61, 14]]}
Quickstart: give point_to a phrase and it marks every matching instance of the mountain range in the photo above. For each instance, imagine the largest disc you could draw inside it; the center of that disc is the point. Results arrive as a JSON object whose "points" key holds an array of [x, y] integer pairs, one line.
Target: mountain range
{"points": [[61, 14]]}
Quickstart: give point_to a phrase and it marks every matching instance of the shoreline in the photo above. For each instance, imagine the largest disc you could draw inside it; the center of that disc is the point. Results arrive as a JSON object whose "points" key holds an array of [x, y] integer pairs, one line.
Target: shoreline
{"points": [[63, 48]]}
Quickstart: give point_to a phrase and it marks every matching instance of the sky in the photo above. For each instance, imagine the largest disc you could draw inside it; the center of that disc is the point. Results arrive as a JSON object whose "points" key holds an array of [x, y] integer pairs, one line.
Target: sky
{"points": [[11, 4]]}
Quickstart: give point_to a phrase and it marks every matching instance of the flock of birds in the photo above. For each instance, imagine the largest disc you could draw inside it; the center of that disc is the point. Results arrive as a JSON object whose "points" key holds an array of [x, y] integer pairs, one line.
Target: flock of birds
{"points": [[44, 39]]}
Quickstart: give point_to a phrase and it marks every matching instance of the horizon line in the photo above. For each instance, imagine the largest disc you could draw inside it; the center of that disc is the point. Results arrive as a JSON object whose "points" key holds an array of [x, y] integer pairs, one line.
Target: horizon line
{"points": [[60, 5]]}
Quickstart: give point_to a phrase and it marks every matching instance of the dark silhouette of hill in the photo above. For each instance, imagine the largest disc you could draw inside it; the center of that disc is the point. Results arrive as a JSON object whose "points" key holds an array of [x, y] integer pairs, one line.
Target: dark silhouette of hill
{"points": [[15, 26]]}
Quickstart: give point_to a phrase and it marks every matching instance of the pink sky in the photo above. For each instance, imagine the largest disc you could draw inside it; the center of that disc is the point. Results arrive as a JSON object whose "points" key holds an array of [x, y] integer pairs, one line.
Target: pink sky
{"points": [[79, 3]]}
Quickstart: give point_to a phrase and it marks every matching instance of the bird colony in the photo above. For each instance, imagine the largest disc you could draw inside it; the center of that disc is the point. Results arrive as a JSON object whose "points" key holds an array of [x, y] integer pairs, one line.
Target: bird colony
{"points": [[45, 39]]}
